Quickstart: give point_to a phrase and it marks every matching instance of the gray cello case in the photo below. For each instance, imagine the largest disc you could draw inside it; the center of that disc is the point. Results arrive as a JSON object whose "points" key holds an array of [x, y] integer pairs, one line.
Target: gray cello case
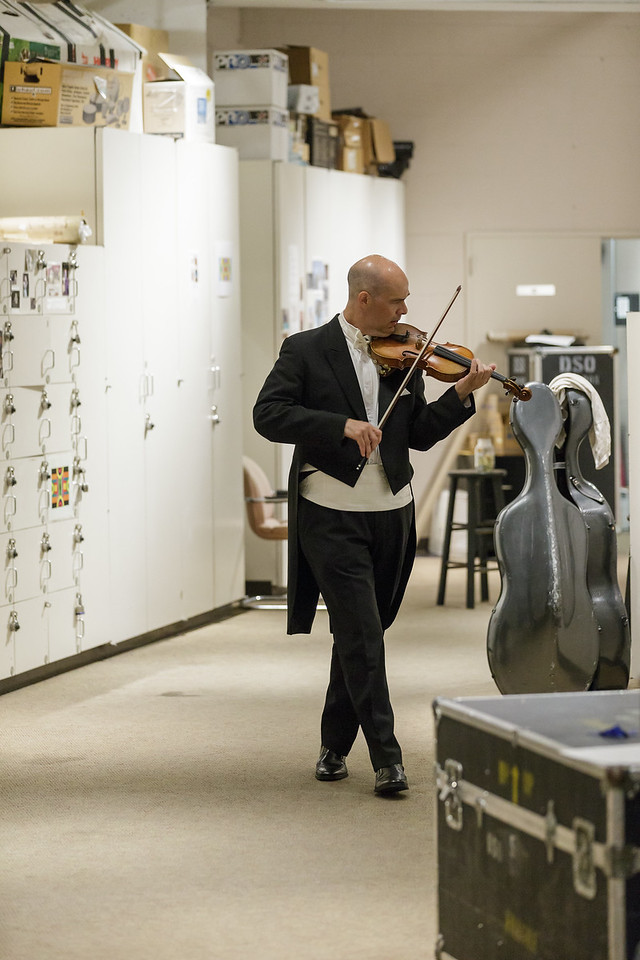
{"points": [[543, 635]]}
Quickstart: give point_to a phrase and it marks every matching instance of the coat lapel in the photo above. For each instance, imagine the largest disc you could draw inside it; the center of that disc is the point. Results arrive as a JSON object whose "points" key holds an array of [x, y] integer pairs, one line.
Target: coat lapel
{"points": [[339, 360]]}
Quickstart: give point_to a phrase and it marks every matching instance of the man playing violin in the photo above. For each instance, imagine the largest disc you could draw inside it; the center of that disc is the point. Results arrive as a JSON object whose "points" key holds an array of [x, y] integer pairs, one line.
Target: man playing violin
{"points": [[352, 534]]}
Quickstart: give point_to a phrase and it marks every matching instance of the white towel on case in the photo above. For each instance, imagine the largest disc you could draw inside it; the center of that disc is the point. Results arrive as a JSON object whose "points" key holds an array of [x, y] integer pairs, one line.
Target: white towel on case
{"points": [[600, 431]]}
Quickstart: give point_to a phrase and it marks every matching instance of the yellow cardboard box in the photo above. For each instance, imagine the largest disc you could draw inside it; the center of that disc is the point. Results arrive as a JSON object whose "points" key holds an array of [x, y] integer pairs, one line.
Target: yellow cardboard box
{"points": [[45, 94]]}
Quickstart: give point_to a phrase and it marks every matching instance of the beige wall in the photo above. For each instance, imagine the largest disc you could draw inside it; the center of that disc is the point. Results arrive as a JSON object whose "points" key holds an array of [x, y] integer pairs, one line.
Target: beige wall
{"points": [[522, 122]]}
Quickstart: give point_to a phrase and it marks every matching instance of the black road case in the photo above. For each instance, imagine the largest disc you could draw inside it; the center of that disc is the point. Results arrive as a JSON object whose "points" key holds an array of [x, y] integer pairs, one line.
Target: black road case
{"points": [[539, 826]]}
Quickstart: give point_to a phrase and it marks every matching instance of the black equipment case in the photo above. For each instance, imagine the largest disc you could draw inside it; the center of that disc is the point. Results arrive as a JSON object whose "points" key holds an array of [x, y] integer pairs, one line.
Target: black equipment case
{"points": [[539, 826]]}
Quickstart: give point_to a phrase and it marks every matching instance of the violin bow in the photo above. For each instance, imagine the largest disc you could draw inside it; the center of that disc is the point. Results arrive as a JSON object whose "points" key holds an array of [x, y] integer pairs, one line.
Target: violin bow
{"points": [[385, 416]]}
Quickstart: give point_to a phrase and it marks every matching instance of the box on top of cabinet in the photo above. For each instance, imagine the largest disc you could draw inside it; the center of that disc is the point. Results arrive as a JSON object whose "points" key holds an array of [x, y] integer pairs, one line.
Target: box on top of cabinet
{"points": [[46, 94], [38, 42], [251, 78], [303, 98], [307, 65], [154, 42], [258, 133], [182, 106], [65, 32]]}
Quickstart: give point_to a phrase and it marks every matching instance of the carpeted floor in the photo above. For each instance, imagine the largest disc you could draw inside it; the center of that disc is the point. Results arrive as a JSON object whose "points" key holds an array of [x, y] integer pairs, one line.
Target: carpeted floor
{"points": [[161, 805]]}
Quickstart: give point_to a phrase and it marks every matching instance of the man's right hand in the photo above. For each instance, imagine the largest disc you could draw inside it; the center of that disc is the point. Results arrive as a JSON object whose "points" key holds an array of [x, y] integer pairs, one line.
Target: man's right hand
{"points": [[365, 435]]}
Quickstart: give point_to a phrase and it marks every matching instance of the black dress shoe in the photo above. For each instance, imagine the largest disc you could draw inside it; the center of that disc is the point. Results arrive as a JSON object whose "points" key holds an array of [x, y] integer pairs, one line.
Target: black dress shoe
{"points": [[330, 766], [391, 779]]}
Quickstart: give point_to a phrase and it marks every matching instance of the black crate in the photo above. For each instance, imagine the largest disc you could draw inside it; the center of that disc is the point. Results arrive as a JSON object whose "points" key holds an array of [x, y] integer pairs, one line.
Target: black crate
{"points": [[539, 827], [324, 143]]}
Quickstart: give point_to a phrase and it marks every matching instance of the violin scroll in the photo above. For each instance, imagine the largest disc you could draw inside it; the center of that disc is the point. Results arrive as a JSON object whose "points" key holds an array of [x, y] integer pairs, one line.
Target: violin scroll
{"points": [[519, 393]]}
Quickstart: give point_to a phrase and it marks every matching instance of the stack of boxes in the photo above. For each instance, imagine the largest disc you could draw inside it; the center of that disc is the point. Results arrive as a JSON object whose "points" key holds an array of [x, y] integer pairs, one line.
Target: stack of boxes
{"points": [[314, 134], [66, 67], [251, 103], [365, 141]]}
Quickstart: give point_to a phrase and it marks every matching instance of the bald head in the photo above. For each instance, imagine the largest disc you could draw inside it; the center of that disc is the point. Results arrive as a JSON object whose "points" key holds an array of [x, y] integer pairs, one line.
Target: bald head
{"points": [[371, 274], [378, 289]]}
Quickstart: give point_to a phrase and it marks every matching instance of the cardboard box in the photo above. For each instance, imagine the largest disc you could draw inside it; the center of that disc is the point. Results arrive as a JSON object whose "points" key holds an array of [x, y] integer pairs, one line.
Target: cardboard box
{"points": [[308, 65], [353, 140], [324, 143], [44, 94], [83, 37], [303, 98], [180, 107], [298, 146], [251, 78], [352, 159], [382, 145], [24, 38], [153, 42], [352, 129], [258, 133], [53, 33]]}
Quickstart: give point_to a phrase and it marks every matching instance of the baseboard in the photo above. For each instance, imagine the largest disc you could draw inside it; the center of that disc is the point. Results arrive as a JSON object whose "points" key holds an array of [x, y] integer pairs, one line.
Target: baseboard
{"points": [[107, 650]]}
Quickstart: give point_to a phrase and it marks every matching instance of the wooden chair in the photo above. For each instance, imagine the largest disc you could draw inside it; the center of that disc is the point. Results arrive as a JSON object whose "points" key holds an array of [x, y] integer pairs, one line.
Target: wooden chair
{"points": [[261, 500]]}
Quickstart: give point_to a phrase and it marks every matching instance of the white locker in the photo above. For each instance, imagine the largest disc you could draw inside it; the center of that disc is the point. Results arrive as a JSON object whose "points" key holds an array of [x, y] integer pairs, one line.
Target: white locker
{"points": [[118, 388], [195, 196], [39, 417], [161, 382], [89, 473], [210, 352]]}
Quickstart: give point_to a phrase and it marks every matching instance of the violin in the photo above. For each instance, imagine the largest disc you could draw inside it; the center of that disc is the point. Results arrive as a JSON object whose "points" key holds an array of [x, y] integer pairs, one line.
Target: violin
{"points": [[447, 362]]}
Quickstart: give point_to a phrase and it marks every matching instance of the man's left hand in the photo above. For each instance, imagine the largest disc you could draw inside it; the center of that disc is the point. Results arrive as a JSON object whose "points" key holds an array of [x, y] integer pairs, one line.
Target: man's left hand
{"points": [[479, 374]]}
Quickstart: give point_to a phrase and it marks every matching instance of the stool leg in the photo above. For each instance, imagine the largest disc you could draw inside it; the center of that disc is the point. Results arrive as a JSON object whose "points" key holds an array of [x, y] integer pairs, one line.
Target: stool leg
{"points": [[483, 553], [447, 541], [472, 543]]}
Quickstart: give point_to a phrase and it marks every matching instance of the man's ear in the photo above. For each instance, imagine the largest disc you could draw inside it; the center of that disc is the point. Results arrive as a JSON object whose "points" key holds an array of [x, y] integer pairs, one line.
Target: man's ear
{"points": [[363, 298]]}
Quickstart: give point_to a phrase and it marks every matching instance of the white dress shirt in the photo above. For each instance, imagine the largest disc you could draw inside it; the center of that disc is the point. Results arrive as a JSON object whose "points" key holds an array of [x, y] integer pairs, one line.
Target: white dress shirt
{"points": [[372, 491]]}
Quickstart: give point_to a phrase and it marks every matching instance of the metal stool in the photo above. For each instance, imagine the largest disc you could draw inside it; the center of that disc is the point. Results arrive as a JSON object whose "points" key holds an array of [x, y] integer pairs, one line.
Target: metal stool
{"points": [[486, 500]]}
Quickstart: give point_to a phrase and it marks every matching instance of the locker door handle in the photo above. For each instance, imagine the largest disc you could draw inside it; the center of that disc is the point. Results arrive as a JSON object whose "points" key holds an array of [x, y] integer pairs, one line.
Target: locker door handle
{"points": [[11, 583], [214, 416], [10, 505], [77, 564], [45, 573], [48, 361], [8, 435], [44, 431], [74, 357]]}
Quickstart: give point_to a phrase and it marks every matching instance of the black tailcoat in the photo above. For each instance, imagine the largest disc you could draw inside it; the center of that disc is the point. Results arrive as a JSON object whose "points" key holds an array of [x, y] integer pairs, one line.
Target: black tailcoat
{"points": [[306, 399]]}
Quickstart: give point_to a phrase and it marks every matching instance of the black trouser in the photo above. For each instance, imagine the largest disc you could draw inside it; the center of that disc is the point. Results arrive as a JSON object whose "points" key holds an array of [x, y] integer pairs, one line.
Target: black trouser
{"points": [[357, 560]]}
